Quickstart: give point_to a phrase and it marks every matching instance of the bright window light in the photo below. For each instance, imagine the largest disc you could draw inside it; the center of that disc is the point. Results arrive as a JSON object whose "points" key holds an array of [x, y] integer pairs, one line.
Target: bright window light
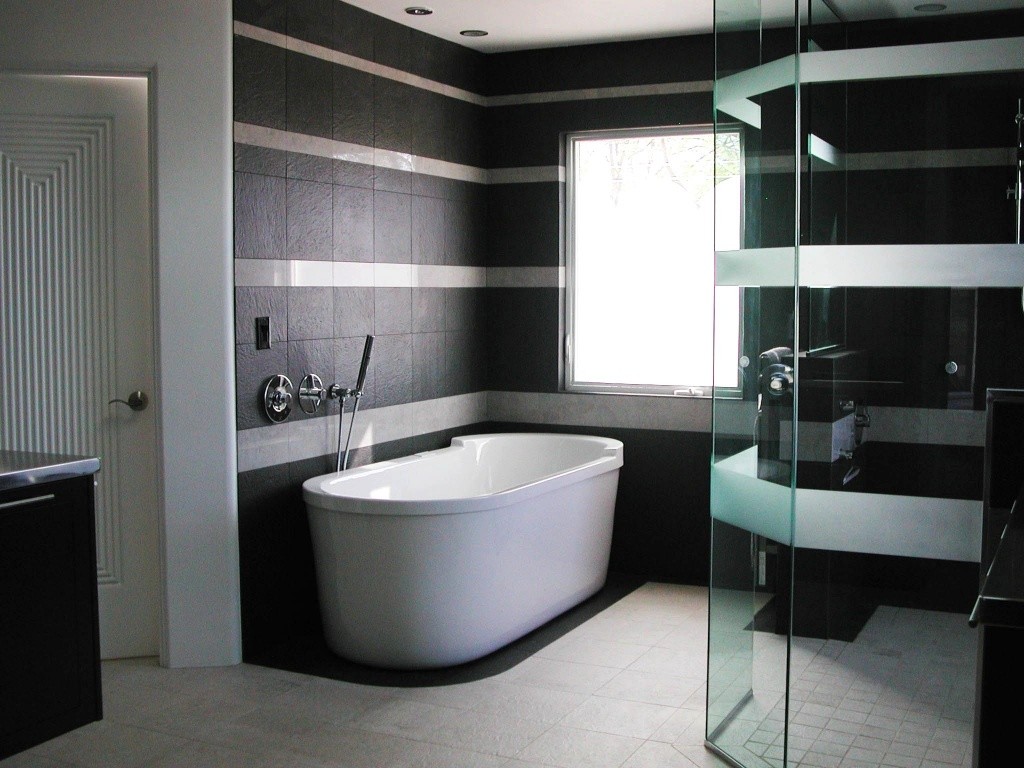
{"points": [[645, 209]]}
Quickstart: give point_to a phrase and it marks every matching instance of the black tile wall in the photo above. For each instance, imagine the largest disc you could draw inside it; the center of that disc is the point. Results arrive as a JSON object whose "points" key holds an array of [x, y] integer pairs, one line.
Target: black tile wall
{"points": [[309, 105], [532, 213], [524, 343], [603, 65], [306, 21], [259, 83], [259, 211], [353, 224], [253, 302], [309, 220], [353, 311], [253, 368], [352, 30], [527, 135]]}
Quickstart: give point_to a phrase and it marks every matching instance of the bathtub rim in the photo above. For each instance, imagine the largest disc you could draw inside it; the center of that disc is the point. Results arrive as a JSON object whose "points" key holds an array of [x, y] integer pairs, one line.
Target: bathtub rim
{"points": [[317, 498]]}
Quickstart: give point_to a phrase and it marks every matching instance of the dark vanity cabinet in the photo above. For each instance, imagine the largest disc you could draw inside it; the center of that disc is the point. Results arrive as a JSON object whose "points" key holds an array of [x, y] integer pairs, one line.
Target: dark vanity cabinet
{"points": [[49, 630]]}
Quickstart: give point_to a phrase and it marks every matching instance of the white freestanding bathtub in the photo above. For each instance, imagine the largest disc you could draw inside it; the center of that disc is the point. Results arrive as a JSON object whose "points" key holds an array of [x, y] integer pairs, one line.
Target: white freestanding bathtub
{"points": [[440, 558]]}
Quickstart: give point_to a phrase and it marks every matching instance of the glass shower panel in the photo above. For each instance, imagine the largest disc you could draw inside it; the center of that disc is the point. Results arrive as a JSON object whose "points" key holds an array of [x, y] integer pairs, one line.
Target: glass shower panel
{"points": [[753, 432]]}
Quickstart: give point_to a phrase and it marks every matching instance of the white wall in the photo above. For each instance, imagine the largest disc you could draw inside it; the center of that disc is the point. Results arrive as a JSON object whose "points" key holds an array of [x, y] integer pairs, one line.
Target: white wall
{"points": [[186, 46]]}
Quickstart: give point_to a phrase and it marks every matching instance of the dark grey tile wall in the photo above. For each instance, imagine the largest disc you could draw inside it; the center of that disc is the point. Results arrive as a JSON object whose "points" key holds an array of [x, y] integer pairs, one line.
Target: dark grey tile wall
{"points": [[297, 206]]}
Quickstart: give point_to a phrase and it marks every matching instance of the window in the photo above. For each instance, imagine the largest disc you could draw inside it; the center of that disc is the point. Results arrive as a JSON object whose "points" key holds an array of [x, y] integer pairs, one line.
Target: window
{"points": [[642, 214]]}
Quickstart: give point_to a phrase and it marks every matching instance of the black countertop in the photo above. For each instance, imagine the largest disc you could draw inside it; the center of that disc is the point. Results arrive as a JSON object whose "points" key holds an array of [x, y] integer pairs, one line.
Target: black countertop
{"points": [[1001, 598], [19, 469]]}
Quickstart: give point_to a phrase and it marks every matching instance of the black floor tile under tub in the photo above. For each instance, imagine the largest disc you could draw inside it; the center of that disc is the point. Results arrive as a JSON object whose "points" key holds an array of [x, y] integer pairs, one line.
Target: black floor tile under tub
{"points": [[307, 652]]}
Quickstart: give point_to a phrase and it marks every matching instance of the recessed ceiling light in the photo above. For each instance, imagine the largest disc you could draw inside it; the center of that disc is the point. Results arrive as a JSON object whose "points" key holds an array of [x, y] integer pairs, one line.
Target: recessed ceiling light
{"points": [[418, 10], [472, 33], [930, 7]]}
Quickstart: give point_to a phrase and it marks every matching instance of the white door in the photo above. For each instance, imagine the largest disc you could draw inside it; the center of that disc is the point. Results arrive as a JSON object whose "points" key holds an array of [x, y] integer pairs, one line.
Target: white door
{"points": [[76, 316]]}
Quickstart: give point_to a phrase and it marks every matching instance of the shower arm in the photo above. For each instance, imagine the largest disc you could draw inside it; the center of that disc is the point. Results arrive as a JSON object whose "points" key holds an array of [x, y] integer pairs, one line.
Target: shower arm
{"points": [[337, 392]]}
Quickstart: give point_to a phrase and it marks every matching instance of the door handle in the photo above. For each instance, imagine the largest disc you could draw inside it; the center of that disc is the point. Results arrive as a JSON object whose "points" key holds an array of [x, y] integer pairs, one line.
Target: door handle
{"points": [[137, 400]]}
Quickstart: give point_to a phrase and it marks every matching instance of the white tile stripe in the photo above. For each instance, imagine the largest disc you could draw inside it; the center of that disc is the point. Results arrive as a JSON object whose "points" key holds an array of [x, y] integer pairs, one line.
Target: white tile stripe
{"points": [[526, 277], [287, 141], [370, 67], [347, 274], [526, 175], [981, 157], [611, 92], [579, 94], [309, 438]]}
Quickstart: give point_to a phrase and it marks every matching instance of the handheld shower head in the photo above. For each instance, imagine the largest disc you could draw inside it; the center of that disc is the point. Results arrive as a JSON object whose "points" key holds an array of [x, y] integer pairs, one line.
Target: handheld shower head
{"points": [[367, 349]]}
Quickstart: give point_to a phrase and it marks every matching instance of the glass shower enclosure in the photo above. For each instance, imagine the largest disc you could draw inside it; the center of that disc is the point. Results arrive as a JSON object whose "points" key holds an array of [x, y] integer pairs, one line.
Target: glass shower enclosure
{"points": [[880, 275]]}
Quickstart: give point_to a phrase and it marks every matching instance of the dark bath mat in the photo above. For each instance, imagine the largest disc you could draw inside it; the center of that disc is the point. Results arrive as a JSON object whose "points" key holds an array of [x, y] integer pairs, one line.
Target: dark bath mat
{"points": [[308, 653]]}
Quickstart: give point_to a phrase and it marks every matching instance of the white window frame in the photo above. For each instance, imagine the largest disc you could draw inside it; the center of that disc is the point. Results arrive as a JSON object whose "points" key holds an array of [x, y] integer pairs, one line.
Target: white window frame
{"points": [[680, 389]]}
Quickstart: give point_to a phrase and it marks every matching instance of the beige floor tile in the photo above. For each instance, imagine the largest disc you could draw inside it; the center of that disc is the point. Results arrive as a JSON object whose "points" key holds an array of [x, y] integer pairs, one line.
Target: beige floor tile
{"points": [[106, 744], [594, 650], [560, 675], [625, 718], [576, 748], [652, 688]]}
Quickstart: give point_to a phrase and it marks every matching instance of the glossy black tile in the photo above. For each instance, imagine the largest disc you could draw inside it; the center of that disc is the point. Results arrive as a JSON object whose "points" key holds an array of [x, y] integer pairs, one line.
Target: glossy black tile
{"points": [[259, 75], [465, 228], [310, 313], [268, 162], [392, 180], [310, 167], [392, 311], [310, 103], [426, 123], [602, 65], [428, 230], [523, 339], [259, 216], [252, 370], [353, 30], [531, 134], [392, 369], [392, 234], [465, 364], [353, 311], [253, 302], [424, 185], [428, 365], [310, 20], [524, 225], [309, 221], [267, 14], [392, 44], [447, 62], [353, 224], [352, 174], [353, 105], [391, 104], [465, 309], [428, 309], [463, 138]]}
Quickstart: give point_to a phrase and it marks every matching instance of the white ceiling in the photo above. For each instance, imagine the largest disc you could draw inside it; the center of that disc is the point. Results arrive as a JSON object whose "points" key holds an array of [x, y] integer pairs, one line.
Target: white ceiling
{"points": [[523, 24]]}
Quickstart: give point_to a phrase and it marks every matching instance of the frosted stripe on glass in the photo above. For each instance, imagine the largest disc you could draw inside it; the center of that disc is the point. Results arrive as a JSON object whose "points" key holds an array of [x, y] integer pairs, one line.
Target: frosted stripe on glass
{"points": [[994, 265]]}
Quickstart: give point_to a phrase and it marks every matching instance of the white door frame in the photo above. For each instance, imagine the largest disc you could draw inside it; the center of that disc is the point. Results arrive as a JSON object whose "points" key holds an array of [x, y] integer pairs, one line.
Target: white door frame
{"points": [[186, 49]]}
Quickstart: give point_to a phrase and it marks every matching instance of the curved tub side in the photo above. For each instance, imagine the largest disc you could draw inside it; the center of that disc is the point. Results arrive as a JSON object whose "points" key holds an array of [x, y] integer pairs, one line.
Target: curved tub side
{"points": [[423, 591]]}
